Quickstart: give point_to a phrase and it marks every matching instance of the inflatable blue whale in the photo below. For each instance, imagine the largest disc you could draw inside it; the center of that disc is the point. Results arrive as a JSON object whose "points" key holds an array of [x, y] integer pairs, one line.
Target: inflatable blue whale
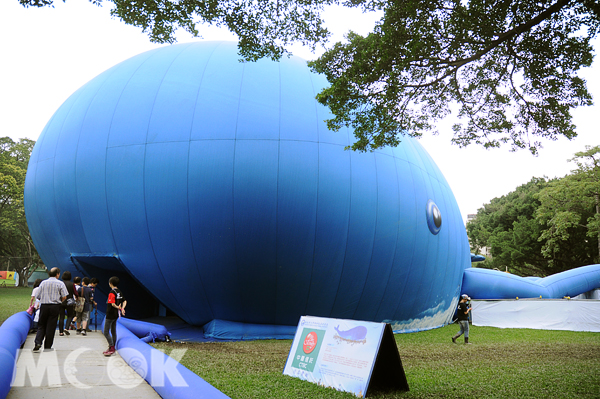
{"points": [[215, 191]]}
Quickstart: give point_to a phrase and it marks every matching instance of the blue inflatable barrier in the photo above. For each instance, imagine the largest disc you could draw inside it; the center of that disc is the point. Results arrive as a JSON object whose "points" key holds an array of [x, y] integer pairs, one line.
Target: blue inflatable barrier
{"points": [[494, 284], [13, 333], [11, 341], [148, 332], [168, 379], [7, 365], [19, 322], [572, 282], [228, 330]]}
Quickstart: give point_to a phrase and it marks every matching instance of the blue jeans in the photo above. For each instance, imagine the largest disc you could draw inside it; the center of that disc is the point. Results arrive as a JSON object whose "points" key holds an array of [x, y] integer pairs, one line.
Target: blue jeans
{"points": [[110, 328], [464, 328]]}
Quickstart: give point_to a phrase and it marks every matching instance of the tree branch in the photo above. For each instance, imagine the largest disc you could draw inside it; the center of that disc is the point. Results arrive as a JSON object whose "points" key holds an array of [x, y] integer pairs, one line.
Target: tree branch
{"points": [[512, 33]]}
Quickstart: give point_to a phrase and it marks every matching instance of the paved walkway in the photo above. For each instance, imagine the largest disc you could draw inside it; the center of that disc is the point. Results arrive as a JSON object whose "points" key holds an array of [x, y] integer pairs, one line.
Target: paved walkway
{"points": [[76, 368]]}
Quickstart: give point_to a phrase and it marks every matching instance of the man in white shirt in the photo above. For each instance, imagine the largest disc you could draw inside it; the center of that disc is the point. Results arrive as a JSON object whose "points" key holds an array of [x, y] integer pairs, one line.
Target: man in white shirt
{"points": [[51, 294]]}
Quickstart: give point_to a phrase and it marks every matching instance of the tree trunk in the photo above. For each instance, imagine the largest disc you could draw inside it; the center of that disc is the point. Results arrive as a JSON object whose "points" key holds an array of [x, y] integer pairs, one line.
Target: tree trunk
{"points": [[22, 279], [25, 272], [597, 196]]}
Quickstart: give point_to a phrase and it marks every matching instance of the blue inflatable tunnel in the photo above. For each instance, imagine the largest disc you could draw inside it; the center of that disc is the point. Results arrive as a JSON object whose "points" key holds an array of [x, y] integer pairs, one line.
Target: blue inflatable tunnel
{"points": [[493, 284]]}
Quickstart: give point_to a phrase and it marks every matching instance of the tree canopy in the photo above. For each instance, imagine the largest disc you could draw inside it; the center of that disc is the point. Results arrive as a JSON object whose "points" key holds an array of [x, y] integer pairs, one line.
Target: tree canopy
{"points": [[508, 228], [510, 67], [570, 208], [544, 227], [265, 28], [16, 245]]}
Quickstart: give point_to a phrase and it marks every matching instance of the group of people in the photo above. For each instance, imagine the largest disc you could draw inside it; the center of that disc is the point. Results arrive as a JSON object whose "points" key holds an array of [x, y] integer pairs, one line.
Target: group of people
{"points": [[57, 298], [54, 299]]}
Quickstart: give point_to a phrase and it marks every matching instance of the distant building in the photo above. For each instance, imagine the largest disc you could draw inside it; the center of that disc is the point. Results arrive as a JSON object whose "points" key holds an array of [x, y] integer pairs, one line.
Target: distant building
{"points": [[482, 251]]}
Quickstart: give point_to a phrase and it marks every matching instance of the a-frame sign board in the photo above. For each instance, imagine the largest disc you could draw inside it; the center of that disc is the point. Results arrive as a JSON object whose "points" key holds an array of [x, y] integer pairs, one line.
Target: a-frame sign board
{"points": [[348, 355], [388, 373]]}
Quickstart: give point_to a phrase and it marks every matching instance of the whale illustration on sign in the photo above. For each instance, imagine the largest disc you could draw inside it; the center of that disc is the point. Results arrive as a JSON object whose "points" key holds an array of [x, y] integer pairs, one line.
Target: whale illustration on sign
{"points": [[355, 335], [215, 191]]}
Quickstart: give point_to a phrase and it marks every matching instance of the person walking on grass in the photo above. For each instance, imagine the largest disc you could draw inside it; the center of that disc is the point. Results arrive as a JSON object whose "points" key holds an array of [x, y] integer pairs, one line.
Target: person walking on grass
{"points": [[115, 307], [463, 318], [51, 293]]}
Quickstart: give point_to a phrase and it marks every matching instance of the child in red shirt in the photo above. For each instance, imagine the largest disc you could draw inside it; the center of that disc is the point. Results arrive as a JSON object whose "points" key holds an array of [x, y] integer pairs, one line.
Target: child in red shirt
{"points": [[115, 308]]}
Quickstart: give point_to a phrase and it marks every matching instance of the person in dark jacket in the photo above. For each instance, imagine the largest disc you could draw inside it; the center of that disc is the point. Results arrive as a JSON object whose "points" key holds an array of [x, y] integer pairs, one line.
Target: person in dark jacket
{"points": [[69, 310], [463, 318], [83, 317]]}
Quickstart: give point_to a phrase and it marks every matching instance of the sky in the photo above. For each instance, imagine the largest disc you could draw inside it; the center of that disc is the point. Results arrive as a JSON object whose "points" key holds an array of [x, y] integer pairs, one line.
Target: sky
{"points": [[48, 53]]}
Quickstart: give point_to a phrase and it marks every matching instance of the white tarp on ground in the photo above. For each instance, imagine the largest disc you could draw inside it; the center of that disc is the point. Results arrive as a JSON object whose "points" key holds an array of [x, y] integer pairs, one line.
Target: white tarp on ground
{"points": [[541, 314], [593, 294]]}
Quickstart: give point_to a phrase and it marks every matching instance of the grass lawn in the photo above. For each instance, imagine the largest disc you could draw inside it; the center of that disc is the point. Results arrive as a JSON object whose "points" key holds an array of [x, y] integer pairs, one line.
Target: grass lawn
{"points": [[501, 363], [13, 300]]}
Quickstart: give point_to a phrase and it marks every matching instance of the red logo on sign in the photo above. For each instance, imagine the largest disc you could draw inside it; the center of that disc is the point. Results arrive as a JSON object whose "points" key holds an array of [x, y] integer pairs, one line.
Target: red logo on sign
{"points": [[310, 342]]}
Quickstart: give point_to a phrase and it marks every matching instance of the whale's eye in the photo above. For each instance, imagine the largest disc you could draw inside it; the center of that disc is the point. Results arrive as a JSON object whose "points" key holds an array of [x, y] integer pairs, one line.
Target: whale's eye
{"points": [[434, 217]]}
